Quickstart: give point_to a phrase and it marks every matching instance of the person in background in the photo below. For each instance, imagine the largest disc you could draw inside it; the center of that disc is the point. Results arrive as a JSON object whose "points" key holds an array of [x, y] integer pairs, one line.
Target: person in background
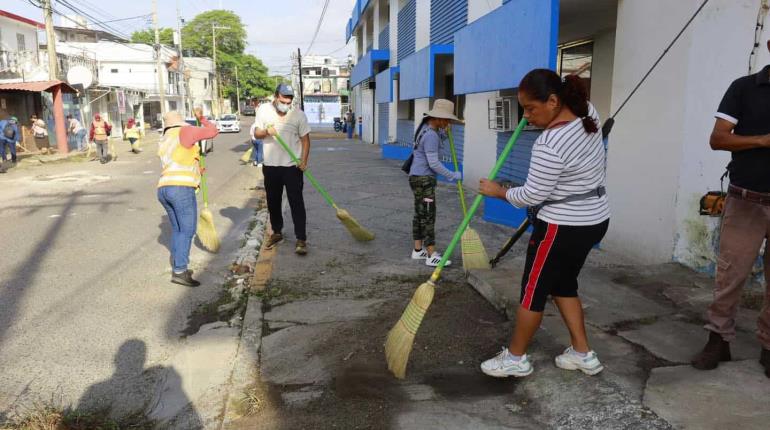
{"points": [[280, 171], [179, 154], [9, 137], [133, 133], [742, 127], [422, 179], [76, 133], [565, 190], [40, 132], [350, 122], [99, 134], [256, 154]]}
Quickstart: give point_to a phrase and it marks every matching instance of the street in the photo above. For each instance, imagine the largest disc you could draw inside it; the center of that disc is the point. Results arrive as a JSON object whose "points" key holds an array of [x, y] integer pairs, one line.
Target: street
{"points": [[85, 295]]}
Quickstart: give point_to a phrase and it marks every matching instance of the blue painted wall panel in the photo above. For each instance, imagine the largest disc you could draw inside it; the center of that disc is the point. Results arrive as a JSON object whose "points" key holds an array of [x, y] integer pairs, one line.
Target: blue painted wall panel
{"points": [[366, 66], [405, 132], [384, 38], [382, 122], [384, 93], [415, 79], [498, 49], [516, 167], [407, 29], [458, 132], [446, 17]]}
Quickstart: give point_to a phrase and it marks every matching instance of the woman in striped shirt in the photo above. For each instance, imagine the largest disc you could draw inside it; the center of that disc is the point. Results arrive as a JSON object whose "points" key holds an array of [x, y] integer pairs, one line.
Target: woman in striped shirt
{"points": [[566, 183]]}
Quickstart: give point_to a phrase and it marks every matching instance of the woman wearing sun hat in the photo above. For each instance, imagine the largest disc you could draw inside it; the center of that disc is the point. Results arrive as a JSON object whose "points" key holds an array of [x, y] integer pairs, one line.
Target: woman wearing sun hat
{"points": [[422, 179]]}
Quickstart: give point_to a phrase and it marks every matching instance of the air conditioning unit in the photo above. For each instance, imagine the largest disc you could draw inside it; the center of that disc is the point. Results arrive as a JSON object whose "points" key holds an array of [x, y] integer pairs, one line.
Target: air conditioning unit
{"points": [[501, 113]]}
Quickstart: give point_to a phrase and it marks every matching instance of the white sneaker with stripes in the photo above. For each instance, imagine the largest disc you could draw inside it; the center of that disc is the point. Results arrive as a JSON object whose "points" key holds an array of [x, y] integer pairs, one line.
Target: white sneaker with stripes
{"points": [[419, 255], [572, 360], [434, 259], [504, 365]]}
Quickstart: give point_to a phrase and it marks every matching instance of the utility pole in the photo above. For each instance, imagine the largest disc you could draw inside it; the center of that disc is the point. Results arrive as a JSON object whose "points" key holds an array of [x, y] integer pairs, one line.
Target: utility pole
{"points": [[301, 87], [51, 40], [182, 68], [158, 50], [238, 90], [217, 105]]}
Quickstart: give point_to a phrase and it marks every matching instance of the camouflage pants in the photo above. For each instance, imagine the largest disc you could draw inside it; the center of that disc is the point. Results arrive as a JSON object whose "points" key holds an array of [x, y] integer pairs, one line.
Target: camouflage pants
{"points": [[424, 221]]}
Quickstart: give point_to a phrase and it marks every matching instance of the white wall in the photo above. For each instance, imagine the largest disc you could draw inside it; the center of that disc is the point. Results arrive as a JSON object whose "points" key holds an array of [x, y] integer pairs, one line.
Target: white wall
{"points": [[9, 28], [715, 59], [659, 158], [479, 8], [421, 106], [422, 26], [480, 150], [601, 72]]}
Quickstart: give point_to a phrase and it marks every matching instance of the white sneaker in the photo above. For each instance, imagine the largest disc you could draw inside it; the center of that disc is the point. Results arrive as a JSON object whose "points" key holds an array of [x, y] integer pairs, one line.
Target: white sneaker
{"points": [[571, 360], [434, 259], [503, 365], [419, 255]]}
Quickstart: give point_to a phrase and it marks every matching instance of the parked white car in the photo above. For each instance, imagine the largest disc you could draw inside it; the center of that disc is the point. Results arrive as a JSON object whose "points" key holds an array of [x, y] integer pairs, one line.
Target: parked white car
{"points": [[229, 123]]}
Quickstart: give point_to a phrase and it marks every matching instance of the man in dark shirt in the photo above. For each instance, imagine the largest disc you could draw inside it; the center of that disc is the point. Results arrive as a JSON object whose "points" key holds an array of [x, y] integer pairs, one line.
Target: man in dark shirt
{"points": [[743, 128]]}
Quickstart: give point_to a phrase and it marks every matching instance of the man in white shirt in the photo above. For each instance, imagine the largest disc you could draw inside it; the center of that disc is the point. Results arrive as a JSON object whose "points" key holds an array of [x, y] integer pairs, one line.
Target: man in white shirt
{"points": [[279, 170]]}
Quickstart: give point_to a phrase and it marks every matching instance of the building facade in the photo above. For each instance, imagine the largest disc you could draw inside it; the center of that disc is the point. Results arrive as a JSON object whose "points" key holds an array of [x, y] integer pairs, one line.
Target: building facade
{"points": [[475, 52], [19, 48], [199, 73], [325, 88]]}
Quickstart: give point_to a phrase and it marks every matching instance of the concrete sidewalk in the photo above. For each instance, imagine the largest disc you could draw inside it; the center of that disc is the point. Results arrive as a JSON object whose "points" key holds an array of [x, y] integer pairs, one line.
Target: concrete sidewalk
{"points": [[315, 334]]}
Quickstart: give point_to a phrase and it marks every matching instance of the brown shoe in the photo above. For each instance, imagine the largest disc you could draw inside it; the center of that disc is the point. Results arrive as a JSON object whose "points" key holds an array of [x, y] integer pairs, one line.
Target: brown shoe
{"points": [[716, 350], [301, 248], [273, 240], [764, 360]]}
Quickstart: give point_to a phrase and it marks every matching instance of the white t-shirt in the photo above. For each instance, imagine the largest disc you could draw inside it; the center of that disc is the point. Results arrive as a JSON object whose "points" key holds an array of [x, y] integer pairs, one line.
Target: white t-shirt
{"points": [[291, 127]]}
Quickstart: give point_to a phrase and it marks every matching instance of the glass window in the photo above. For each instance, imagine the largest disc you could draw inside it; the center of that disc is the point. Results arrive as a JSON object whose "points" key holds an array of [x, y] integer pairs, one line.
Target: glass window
{"points": [[20, 42], [576, 59]]}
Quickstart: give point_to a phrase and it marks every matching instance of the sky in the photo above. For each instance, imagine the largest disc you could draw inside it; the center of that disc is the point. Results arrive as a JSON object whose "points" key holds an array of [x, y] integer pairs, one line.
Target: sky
{"points": [[275, 28]]}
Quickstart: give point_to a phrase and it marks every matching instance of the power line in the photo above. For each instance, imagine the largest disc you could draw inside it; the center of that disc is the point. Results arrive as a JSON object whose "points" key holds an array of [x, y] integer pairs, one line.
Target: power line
{"points": [[318, 27], [108, 28]]}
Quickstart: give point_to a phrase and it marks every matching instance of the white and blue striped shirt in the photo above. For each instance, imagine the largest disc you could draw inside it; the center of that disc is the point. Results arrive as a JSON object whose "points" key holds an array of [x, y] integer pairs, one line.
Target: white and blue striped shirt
{"points": [[566, 161]]}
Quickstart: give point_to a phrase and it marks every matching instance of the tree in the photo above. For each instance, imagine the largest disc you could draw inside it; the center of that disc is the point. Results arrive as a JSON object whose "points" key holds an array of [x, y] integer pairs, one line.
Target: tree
{"points": [[196, 34], [252, 76], [148, 36]]}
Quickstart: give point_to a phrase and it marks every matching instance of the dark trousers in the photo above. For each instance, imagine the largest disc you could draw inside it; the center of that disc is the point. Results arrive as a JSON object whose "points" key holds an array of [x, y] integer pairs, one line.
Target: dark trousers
{"points": [[291, 178]]}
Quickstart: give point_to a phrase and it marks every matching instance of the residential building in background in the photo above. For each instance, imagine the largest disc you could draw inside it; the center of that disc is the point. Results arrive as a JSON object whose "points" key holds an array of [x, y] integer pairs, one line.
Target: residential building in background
{"points": [[325, 88], [199, 73], [475, 52], [18, 48]]}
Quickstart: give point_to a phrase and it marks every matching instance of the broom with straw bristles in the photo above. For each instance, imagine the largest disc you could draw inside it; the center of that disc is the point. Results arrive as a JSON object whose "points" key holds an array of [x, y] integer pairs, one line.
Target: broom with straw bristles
{"points": [[400, 339], [356, 230], [206, 231], [474, 254]]}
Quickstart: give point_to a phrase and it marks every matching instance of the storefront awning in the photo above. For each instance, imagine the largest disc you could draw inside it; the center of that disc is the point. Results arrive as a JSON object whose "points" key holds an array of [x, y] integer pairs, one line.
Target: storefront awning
{"points": [[37, 87]]}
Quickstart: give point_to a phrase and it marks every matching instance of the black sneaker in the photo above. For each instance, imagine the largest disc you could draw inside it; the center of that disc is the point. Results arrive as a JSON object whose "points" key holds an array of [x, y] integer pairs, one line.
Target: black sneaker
{"points": [[764, 360], [185, 278]]}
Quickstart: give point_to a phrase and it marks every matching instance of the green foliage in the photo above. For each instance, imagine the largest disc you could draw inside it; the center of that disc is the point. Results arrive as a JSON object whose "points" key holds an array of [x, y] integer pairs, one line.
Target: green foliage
{"points": [[196, 34], [252, 76], [148, 36]]}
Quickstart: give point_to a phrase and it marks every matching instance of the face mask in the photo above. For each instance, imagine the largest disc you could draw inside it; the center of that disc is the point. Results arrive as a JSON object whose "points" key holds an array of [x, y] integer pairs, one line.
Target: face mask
{"points": [[282, 107]]}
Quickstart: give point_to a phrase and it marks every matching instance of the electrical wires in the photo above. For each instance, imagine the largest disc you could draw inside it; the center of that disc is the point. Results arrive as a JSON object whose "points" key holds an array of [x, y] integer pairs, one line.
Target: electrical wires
{"points": [[318, 27]]}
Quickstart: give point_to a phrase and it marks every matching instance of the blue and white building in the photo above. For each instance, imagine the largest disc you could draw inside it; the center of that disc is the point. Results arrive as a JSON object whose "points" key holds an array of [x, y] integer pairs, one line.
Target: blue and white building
{"points": [[475, 52]]}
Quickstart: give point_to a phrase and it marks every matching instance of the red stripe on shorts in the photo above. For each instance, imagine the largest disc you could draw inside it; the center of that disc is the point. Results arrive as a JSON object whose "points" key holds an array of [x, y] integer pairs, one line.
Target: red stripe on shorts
{"points": [[537, 267]]}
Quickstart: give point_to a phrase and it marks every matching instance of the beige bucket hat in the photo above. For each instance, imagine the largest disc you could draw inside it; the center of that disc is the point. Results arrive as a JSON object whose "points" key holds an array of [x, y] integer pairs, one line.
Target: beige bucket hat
{"points": [[173, 119], [443, 108]]}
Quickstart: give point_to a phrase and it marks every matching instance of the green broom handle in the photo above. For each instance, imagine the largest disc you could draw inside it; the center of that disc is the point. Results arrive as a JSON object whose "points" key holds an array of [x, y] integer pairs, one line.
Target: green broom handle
{"points": [[457, 169], [477, 201], [307, 173]]}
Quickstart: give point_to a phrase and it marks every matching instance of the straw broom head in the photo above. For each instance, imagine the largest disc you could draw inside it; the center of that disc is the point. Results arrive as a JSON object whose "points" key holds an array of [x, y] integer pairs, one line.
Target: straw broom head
{"points": [[474, 254], [401, 337], [206, 231], [359, 233]]}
